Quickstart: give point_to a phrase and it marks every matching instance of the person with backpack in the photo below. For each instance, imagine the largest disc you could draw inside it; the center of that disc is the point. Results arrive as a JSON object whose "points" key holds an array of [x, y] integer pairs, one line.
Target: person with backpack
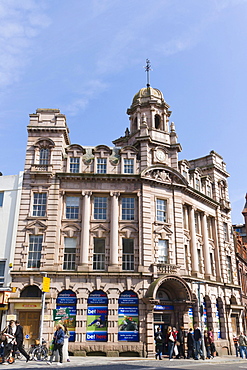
{"points": [[159, 338], [242, 345]]}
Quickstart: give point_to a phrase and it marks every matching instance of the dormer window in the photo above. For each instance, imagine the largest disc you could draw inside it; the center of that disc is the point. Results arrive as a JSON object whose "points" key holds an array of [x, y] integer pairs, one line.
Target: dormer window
{"points": [[197, 184], [128, 165], [74, 164], [157, 121], [101, 165]]}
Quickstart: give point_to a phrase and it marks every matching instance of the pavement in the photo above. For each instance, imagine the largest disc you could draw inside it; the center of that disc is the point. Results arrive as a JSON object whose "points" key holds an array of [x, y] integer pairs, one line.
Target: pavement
{"points": [[105, 362]]}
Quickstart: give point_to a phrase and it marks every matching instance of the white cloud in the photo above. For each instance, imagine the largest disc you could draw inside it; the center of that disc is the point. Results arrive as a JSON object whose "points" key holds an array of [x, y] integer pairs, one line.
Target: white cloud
{"points": [[90, 91], [20, 22]]}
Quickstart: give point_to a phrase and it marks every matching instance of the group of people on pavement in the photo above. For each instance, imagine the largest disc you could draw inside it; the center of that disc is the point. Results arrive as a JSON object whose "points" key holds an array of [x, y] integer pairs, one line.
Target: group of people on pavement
{"points": [[240, 344], [12, 340], [173, 343]]}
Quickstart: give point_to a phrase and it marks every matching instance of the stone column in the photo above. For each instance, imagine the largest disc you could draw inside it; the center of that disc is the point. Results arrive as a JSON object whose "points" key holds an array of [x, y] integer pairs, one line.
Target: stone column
{"points": [[114, 265], [85, 231], [193, 247], [206, 254]]}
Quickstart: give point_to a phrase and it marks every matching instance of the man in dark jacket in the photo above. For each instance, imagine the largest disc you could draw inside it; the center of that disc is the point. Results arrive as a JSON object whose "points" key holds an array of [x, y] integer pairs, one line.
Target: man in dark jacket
{"points": [[190, 344], [198, 340], [158, 336], [19, 337]]}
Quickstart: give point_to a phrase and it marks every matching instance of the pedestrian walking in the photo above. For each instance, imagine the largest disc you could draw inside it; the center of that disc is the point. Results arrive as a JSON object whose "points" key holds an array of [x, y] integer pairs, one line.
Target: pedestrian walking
{"points": [[66, 345], [235, 341], [159, 339], [171, 338], [211, 342], [9, 342], [242, 345], [198, 340], [19, 337], [180, 342], [207, 344], [190, 344], [58, 341]]}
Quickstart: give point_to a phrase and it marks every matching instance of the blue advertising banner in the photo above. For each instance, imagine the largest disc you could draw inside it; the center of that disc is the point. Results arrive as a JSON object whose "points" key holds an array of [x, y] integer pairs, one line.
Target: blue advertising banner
{"points": [[67, 300], [128, 297], [128, 324], [97, 323], [97, 297]]}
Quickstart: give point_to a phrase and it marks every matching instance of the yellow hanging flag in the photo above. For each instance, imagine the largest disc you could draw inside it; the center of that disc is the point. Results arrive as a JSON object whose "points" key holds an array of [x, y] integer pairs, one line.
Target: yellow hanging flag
{"points": [[46, 284]]}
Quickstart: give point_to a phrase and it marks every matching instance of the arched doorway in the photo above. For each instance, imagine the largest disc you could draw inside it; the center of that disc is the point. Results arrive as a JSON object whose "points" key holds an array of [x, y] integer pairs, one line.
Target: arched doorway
{"points": [[168, 300], [29, 308]]}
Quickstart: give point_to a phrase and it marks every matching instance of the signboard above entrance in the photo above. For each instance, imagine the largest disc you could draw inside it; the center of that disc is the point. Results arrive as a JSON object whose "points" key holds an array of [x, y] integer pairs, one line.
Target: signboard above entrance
{"points": [[160, 307]]}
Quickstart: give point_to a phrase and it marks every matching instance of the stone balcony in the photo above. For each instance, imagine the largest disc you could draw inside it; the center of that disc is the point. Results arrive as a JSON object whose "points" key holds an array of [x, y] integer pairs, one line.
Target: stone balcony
{"points": [[225, 205], [41, 169]]}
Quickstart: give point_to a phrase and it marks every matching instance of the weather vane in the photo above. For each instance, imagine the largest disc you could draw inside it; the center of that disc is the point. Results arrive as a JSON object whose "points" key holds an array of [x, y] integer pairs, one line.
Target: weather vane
{"points": [[147, 69]]}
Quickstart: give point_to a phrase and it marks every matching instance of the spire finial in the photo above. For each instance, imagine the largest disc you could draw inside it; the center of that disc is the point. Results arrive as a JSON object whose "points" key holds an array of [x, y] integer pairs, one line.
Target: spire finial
{"points": [[147, 69]]}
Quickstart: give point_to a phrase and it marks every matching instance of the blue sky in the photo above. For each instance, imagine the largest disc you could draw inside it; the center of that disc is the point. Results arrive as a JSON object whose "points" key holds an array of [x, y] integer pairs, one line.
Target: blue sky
{"points": [[86, 58]]}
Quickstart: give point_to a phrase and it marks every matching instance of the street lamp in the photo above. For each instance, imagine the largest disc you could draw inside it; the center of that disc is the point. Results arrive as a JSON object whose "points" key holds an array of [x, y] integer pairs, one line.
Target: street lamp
{"points": [[200, 313], [44, 290]]}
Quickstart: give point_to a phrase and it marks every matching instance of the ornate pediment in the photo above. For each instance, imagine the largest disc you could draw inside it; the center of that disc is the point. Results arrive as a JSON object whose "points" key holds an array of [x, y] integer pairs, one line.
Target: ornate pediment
{"points": [[128, 231], [99, 231], [36, 227], [164, 174], [71, 230], [162, 231]]}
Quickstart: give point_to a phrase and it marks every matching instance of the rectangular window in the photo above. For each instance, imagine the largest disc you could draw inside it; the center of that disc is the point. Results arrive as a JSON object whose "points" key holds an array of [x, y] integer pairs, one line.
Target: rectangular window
{"points": [[212, 264], [101, 165], [74, 164], [99, 254], [199, 260], [185, 218], [34, 253], [161, 210], [209, 193], [69, 253], [1, 198], [72, 207], [128, 254], [44, 156], [39, 204], [197, 184], [225, 232], [197, 223], [186, 257], [128, 165], [163, 251], [210, 227], [100, 208], [229, 269], [128, 208], [185, 174], [2, 272]]}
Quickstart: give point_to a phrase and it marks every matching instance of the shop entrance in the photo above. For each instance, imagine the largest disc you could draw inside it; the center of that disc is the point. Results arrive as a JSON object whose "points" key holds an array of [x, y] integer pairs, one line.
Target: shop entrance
{"points": [[30, 322]]}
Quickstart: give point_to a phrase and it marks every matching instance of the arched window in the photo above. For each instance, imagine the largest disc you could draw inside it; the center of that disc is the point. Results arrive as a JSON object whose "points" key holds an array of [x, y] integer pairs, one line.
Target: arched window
{"points": [[97, 316], [66, 311], [31, 291], [44, 155], [157, 121], [128, 317], [135, 125]]}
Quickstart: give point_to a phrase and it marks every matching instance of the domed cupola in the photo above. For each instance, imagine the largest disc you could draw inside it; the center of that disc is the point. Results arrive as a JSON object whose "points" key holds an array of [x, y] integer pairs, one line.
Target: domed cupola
{"points": [[147, 94]]}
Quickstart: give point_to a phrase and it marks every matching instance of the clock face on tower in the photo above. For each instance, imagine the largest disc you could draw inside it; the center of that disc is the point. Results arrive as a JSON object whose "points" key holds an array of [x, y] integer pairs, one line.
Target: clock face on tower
{"points": [[160, 155]]}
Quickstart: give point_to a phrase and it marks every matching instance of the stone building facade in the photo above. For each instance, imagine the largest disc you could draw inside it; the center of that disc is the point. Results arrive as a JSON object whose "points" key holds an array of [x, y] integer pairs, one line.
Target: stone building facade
{"points": [[240, 240], [10, 196], [131, 237]]}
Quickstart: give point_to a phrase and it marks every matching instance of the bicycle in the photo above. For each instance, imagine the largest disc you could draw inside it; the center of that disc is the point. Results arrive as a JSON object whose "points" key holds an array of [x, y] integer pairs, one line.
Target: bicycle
{"points": [[38, 352]]}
